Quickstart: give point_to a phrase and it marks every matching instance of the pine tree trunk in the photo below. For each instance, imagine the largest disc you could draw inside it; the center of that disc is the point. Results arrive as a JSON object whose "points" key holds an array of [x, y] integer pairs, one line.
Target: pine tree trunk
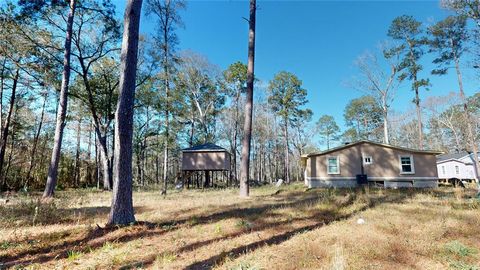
{"points": [[62, 111], [419, 119], [247, 128], [470, 130], [12, 145], [417, 99], [34, 146], [6, 126], [76, 169], [287, 159], [2, 86], [122, 212]]}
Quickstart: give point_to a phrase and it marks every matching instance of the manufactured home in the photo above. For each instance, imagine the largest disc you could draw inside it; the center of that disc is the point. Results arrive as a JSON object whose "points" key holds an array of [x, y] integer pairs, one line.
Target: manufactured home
{"points": [[366, 162], [457, 166]]}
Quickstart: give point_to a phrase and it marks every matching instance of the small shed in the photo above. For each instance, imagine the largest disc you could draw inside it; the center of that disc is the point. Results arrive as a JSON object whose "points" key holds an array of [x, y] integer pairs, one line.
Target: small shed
{"points": [[204, 160]]}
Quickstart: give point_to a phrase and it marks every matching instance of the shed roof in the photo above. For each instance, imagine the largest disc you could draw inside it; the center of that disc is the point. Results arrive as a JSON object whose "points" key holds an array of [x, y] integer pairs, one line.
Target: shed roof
{"points": [[374, 143], [207, 147]]}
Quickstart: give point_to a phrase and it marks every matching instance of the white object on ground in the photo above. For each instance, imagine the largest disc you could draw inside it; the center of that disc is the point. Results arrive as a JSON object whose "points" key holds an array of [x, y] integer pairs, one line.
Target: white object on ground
{"points": [[279, 182], [360, 221]]}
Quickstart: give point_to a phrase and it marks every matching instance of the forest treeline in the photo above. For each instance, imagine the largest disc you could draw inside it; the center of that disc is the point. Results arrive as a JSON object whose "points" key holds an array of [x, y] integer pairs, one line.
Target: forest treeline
{"points": [[182, 99]]}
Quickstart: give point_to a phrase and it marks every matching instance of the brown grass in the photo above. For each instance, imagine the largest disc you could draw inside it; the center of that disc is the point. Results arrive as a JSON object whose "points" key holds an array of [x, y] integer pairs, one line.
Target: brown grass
{"points": [[291, 229]]}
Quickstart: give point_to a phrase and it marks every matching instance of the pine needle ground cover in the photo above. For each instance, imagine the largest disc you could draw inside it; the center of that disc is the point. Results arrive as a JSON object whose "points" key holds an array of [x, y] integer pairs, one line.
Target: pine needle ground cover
{"points": [[290, 228]]}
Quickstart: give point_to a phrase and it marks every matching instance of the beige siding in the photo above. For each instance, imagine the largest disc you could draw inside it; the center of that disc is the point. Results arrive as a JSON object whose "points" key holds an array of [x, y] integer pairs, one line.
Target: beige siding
{"points": [[205, 161], [386, 163]]}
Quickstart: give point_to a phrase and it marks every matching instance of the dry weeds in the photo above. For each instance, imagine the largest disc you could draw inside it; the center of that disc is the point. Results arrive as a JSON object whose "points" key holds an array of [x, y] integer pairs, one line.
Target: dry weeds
{"points": [[292, 229]]}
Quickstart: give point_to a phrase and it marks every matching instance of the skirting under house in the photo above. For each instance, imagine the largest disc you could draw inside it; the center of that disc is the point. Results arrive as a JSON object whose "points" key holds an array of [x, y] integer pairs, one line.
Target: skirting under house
{"points": [[379, 181]]}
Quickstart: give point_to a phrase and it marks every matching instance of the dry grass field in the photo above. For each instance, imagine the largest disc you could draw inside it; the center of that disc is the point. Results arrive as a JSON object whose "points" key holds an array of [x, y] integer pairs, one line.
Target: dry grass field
{"points": [[289, 228]]}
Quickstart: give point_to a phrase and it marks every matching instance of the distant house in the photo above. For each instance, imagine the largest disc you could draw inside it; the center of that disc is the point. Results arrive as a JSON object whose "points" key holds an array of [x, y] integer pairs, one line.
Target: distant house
{"points": [[458, 166], [203, 163], [365, 162]]}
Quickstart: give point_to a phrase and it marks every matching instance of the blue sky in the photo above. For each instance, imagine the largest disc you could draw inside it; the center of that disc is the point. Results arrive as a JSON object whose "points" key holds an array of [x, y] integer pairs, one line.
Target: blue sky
{"points": [[316, 40]]}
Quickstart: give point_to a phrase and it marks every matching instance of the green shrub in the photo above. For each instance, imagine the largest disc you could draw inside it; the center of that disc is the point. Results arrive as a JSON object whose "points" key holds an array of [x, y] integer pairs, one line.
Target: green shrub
{"points": [[459, 249]]}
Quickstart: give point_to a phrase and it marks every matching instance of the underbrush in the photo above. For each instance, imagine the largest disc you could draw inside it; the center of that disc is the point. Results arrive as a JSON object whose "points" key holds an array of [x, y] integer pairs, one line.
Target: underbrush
{"points": [[31, 212]]}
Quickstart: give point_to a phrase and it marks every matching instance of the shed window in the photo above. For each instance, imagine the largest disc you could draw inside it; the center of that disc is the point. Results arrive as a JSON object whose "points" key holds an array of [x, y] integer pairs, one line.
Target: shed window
{"points": [[406, 165], [367, 160], [457, 170], [333, 165], [443, 169]]}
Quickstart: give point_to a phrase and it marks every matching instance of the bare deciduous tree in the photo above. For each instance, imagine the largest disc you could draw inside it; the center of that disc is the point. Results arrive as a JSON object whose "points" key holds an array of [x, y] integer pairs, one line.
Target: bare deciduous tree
{"points": [[380, 80]]}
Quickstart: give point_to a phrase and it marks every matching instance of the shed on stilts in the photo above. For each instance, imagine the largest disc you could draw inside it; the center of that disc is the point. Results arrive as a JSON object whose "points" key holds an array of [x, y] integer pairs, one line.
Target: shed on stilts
{"points": [[202, 161]]}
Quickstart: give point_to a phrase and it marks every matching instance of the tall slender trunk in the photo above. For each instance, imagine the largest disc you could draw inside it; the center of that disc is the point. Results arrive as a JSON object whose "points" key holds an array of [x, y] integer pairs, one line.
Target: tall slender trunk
{"points": [[76, 169], [12, 143], [287, 160], [235, 138], [468, 118], [192, 132], [89, 154], [417, 99], [97, 161], [62, 111], [328, 141], [34, 146], [122, 203], [104, 160], [419, 118], [6, 126], [2, 86], [247, 128], [166, 72], [385, 120]]}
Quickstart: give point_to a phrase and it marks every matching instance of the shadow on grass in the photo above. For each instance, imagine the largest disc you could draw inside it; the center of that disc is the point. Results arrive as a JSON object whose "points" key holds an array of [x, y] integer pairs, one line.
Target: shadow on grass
{"points": [[319, 219], [96, 238], [277, 239]]}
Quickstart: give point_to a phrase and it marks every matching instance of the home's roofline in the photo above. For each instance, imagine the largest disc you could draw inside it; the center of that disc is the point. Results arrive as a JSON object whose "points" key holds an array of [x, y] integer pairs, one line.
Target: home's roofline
{"points": [[375, 143], [453, 159], [464, 154]]}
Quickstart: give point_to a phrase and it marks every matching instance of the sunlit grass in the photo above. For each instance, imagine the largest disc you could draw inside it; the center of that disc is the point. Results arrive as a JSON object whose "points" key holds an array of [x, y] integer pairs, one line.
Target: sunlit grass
{"points": [[286, 228]]}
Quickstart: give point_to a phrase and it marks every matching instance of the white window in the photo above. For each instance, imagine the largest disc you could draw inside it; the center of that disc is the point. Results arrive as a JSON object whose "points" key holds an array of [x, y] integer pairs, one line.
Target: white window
{"points": [[367, 160], [457, 170], [406, 165], [443, 169], [333, 165]]}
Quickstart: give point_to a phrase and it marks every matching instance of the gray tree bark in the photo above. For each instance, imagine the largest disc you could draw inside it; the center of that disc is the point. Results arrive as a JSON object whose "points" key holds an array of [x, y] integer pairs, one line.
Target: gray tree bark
{"points": [[287, 159], [62, 110], [35, 144], [417, 101], [468, 118], [76, 169], [121, 212], [6, 126], [247, 128]]}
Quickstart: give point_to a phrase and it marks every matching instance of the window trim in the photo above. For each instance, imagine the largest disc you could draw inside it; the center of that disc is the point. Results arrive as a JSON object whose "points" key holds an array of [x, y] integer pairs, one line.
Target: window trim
{"points": [[338, 165], [369, 163], [412, 161]]}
